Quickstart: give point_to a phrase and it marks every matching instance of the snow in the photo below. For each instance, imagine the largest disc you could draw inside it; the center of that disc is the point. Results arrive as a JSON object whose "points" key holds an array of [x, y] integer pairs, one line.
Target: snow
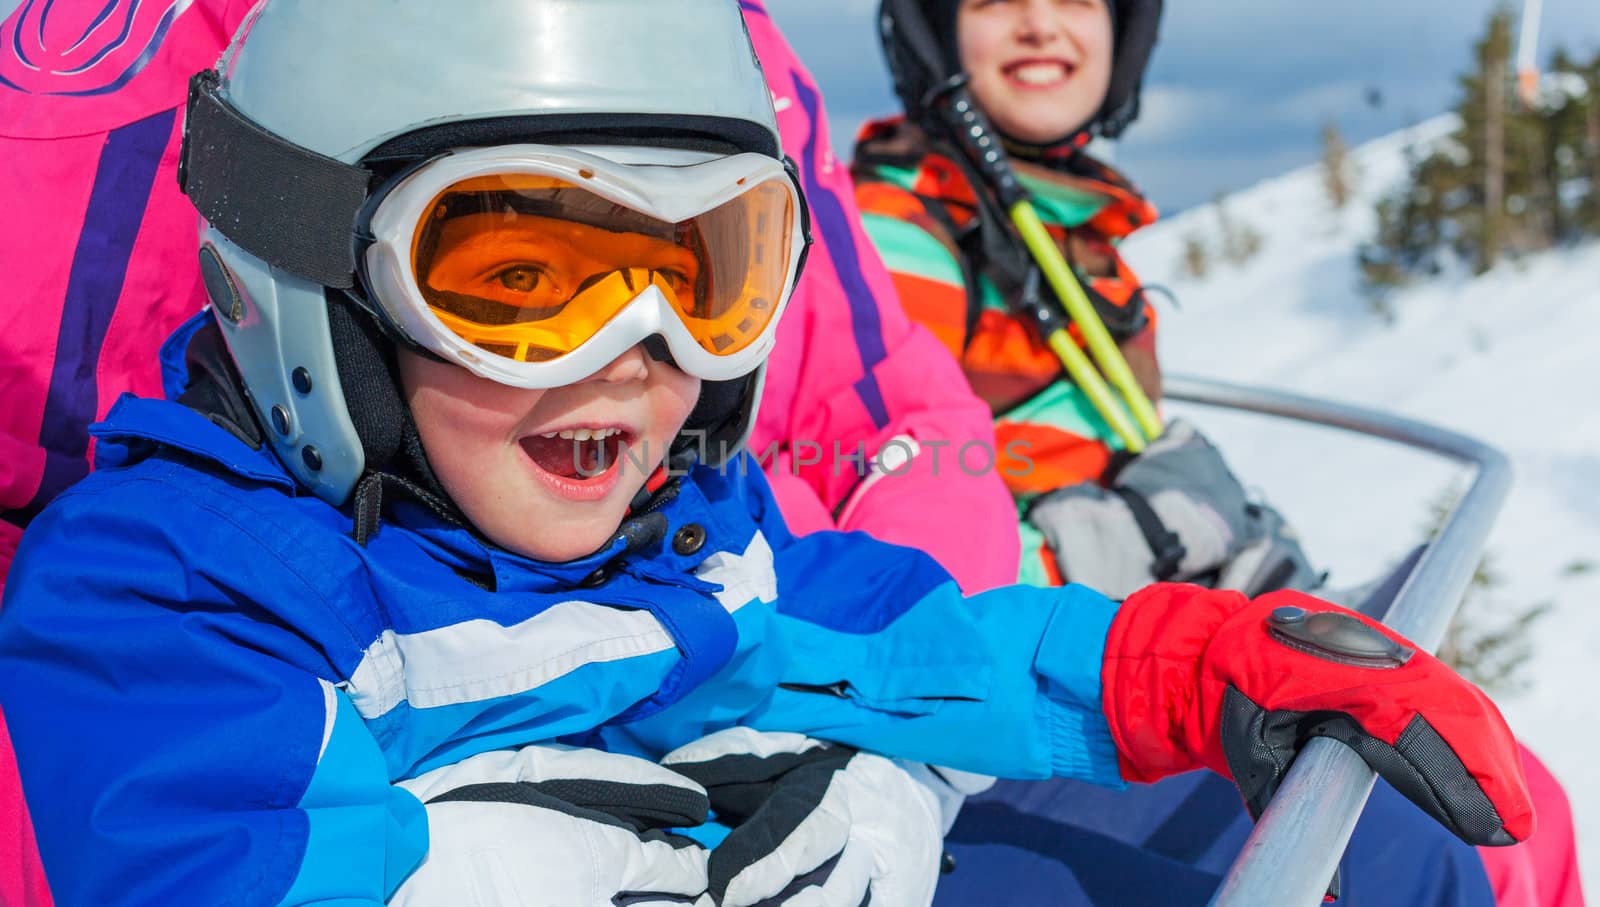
{"points": [[1510, 357]]}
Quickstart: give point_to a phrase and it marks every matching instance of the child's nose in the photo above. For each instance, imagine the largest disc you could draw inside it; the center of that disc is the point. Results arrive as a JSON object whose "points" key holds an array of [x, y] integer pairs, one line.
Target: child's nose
{"points": [[630, 366]]}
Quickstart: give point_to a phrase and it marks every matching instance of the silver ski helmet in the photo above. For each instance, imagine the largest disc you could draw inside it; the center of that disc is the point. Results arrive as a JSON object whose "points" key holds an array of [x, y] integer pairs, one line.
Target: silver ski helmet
{"points": [[289, 142], [919, 67]]}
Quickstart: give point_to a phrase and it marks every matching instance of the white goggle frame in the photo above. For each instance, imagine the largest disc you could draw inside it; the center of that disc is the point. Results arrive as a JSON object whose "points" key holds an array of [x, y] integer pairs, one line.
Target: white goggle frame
{"points": [[671, 185]]}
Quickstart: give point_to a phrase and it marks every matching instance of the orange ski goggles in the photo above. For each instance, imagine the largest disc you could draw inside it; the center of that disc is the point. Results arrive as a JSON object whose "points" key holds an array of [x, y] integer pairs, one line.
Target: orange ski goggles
{"points": [[536, 265]]}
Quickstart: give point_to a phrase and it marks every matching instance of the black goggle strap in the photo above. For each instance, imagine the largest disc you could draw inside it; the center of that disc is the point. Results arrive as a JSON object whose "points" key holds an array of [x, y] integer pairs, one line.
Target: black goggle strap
{"points": [[292, 208], [300, 211]]}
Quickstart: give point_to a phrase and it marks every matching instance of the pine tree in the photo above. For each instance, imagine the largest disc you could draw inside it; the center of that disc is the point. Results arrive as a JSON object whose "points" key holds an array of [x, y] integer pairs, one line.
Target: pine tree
{"points": [[1485, 93], [1413, 227], [1592, 143], [1585, 143], [1337, 175], [1487, 642], [1240, 240], [1196, 260], [1513, 179]]}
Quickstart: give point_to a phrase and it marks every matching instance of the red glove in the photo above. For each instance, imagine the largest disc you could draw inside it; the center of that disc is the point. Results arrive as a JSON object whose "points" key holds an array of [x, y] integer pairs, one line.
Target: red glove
{"points": [[1198, 677]]}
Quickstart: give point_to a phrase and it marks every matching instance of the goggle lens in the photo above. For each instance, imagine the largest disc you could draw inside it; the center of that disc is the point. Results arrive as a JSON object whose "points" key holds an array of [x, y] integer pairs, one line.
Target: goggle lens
{"points": [[531, 267]]}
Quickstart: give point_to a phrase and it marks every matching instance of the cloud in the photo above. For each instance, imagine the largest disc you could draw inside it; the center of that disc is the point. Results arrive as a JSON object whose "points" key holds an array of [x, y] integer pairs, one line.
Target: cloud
{"points": [[1171, 112]]}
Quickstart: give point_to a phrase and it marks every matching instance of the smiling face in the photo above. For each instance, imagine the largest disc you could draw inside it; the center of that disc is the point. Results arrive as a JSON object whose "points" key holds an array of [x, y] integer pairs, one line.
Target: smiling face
{"points": [[541, 472], [1038, 68]]}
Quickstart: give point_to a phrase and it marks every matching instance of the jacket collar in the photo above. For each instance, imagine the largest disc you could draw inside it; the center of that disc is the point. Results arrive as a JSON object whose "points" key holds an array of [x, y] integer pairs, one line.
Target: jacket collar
{"points": [[137, 427]]}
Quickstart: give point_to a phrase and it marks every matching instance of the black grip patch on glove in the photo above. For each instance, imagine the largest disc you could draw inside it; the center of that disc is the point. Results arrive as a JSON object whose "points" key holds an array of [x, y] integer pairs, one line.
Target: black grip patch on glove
{"points": [[740, 785], [764, 799], [1260, 745]]}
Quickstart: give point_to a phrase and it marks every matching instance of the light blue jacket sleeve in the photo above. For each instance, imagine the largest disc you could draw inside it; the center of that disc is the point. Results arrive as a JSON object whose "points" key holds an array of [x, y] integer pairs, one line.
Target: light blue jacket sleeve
{"points": [[872, 644], [1003, 683]]}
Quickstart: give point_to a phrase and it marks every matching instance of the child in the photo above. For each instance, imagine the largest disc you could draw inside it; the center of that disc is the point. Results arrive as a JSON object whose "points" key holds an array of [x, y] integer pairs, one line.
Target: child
{"points": [[447, 540], [1049, 76]]}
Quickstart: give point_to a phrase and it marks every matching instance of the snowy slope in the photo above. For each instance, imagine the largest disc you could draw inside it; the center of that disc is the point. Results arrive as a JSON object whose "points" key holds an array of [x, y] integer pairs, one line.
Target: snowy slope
{"points": [[1512, 357]]}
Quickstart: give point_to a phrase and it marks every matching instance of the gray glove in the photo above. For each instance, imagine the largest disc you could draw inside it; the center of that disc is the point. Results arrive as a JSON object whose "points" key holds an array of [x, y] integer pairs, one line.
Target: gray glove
{"points": [[1274, 561], [1174, 512], [558, 825]]}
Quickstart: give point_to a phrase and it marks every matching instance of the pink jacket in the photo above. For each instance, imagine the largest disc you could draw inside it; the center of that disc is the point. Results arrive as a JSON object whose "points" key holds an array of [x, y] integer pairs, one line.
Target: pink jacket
{"points": [[102, 268], [22, 882], [98, 252], [852, 370]]}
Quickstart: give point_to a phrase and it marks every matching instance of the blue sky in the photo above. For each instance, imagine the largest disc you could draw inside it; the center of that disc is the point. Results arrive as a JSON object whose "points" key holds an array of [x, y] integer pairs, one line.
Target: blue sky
{"points": [[1239, 89]]}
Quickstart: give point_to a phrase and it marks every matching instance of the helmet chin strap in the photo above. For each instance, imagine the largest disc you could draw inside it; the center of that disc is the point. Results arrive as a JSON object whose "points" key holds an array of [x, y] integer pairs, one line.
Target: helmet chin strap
{"points": [[391, 447], [1045, 152]]}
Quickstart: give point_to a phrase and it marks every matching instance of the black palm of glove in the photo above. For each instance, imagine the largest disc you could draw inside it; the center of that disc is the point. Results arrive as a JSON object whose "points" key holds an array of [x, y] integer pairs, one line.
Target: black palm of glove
{"points": [[1173, 512]]}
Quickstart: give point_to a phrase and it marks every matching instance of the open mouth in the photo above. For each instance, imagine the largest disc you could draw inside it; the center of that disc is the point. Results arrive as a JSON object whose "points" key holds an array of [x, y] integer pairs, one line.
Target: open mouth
{"points": [[578, 454], [1039, 73]]}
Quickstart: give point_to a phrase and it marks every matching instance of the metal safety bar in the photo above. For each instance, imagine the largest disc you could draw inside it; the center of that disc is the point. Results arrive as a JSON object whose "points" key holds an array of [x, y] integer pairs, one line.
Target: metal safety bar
{"points": [[1295, 848]]}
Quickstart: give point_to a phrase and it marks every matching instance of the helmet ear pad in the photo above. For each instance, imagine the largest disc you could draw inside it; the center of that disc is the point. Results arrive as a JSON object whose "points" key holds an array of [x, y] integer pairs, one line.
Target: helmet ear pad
{"points": [[369, 375], [721, 419]]}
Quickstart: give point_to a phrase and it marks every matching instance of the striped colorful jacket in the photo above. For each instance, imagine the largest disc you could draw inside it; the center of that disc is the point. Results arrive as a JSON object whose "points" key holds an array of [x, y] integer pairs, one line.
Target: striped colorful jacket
{"points": [[918, 207]]}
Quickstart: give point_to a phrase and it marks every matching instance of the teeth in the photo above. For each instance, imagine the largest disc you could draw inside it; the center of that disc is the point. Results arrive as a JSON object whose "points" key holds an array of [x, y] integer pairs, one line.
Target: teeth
{"points": [[583, 434], [1039, 73]]}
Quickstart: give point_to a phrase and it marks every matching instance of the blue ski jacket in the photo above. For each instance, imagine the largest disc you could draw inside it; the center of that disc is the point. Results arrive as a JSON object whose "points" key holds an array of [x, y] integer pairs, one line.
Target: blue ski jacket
{"points": [[213, 689]]}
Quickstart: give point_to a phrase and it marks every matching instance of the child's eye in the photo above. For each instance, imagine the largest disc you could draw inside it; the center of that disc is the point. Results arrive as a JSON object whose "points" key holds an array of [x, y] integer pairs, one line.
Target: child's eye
{"points": [[676, 278], [519, 278]]}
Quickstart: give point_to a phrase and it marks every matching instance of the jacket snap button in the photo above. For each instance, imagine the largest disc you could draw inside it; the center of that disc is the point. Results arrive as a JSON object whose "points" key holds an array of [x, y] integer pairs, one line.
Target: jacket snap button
{"points": [[689, 539]]}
